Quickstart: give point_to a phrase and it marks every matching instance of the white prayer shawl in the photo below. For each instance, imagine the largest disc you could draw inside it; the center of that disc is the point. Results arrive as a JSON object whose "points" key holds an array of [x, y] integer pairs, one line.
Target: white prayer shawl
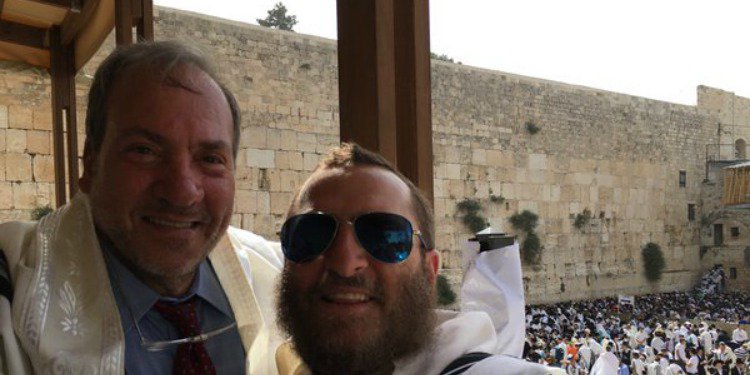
{"points": [[461, 333], [606, 364], [739, 335], [493, 283], [64, 313]]}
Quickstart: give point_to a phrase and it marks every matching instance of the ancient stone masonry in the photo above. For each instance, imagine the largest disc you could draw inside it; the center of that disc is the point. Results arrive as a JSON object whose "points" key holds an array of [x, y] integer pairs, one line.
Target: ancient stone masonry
{"points": [[615, 156]]}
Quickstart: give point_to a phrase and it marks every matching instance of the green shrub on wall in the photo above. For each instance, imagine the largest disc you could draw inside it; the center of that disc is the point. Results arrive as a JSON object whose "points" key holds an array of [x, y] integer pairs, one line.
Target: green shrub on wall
{"points": [[653, 261], [582, 219], [40, 211], [526, 221], [531, 247], [472, 218], [445, 295]]}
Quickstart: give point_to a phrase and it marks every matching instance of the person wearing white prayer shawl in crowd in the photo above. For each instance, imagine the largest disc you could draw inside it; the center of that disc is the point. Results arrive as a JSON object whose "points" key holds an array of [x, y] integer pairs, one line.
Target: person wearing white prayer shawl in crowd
{"points": [[357, 288], [585, 355], [146, 233], [739, 335], [680, 351], [706, 340], [596, 348], [606, 364], [726, 355], [654, 368], [664, 360], [658, 342], [674, 369], [639, 364], [691, 367]]}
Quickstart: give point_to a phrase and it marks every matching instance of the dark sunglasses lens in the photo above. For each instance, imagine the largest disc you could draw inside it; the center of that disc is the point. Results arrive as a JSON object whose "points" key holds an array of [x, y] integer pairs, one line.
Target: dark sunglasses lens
{"points": [[304, 237], [387, 237]]}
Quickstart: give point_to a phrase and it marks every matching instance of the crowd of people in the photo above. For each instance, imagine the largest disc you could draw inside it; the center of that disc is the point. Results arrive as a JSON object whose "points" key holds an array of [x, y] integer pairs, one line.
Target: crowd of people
{"points": [[661, 334]]}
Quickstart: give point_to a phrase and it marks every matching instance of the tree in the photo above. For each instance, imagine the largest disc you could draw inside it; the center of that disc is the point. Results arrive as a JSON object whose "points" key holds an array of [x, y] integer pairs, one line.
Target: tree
{"points": [[653, 261], [278, 19], [443, 57]]}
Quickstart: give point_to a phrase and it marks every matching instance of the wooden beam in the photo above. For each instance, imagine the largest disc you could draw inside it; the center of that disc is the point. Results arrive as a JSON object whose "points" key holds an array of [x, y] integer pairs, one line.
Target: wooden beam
{"points": [[413, 92], [123, 22], [62, 71], [72, 5], [145, 25], [26, 35], [74, 22], [384, 82], [367, 80]]}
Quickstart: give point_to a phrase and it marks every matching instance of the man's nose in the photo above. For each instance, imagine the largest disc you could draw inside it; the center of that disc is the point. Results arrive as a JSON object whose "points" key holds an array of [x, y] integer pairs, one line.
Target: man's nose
{"points": [[180, 184], [345, 257]]}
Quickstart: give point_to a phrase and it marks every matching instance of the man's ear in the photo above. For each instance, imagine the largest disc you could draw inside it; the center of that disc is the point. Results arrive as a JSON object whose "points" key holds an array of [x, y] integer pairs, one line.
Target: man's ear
{"points": [[89, 167], [433, 263]]}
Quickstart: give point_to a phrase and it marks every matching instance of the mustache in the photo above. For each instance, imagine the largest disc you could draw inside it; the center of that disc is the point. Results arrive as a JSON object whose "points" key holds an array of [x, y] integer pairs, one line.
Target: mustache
{"points": [[333, 280], [197, 212]]}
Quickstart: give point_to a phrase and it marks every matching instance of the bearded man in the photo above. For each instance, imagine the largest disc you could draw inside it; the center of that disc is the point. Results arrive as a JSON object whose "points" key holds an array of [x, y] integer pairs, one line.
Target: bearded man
{"points": [[357, 289]]}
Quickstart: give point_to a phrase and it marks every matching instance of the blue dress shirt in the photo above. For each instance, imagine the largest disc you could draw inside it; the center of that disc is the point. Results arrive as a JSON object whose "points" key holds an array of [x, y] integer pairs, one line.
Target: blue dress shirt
{"points": [[135, 301]]}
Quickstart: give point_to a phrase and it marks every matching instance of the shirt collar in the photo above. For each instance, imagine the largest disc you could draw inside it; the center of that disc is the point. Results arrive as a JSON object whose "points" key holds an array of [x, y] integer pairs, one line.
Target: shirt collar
{"points": [[134, 298]]}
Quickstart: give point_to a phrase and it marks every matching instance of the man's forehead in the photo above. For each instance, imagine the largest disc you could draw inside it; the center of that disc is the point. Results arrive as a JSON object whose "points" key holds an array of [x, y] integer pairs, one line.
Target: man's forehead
{"points": [[355, 188]]}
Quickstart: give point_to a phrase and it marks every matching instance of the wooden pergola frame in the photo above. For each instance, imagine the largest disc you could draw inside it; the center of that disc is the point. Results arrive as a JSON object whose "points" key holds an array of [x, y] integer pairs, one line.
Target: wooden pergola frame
{"points": [[61, 35], [384, 73]]}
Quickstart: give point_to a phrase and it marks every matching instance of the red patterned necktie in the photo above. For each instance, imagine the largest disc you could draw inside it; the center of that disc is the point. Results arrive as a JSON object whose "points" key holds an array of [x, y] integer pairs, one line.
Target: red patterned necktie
{"points": [[191, 358]]}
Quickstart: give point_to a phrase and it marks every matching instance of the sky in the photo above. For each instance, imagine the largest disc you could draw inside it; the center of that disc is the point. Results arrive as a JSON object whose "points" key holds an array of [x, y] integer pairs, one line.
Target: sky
{"points": [[658, 49]]}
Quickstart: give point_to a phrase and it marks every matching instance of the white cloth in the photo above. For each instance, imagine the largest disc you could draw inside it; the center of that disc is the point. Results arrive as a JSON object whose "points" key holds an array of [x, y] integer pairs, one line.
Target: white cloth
{"points": [[707, 341], [64, 313], [739, 335], [606, 364], [691, 367], [653, 368], [493, 283], [461, 333], [658, 344]]}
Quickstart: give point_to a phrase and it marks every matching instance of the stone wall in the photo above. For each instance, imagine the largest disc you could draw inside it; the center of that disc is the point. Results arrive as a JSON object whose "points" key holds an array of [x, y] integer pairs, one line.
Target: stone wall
{"points": [[616, 156], [725, 232], [733, 114]]}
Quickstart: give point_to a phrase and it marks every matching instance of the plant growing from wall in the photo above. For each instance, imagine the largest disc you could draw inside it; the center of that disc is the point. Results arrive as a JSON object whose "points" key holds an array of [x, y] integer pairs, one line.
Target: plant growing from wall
{"points": [[472, 217], [703, 250], [532, 128], [497, 199], [531, 247], [526, 221], [40, 211], [582, 219], [653, 261], [445, 294]]}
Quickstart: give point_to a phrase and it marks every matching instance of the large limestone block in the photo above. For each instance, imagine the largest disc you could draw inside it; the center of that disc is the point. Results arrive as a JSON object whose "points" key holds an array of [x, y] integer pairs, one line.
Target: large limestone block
{"points": [[15, 140], [260, 158], [18, 167]]}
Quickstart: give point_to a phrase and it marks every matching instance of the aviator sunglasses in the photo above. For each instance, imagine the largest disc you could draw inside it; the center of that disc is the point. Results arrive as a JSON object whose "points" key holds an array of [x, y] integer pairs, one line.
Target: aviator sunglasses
{"points": [[385, 236]]}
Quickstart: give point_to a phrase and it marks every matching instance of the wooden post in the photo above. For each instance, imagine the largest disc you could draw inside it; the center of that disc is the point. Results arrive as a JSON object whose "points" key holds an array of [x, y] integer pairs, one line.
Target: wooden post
{"points": [[62, 72], [123, 22], [384, 82], [145, 26]]}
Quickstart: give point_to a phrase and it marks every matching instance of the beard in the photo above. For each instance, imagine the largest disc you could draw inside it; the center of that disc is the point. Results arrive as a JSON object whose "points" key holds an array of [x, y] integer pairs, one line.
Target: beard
{"points": [[406, 324]]}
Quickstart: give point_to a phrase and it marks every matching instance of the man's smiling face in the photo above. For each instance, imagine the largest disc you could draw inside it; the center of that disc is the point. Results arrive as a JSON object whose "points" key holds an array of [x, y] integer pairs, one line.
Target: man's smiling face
{"points": [[162, 182]]}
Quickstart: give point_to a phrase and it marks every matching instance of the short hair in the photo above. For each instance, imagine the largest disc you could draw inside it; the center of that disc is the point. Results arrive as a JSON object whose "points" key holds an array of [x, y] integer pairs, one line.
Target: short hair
{"points": [[162, 56], [353, 155]]}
